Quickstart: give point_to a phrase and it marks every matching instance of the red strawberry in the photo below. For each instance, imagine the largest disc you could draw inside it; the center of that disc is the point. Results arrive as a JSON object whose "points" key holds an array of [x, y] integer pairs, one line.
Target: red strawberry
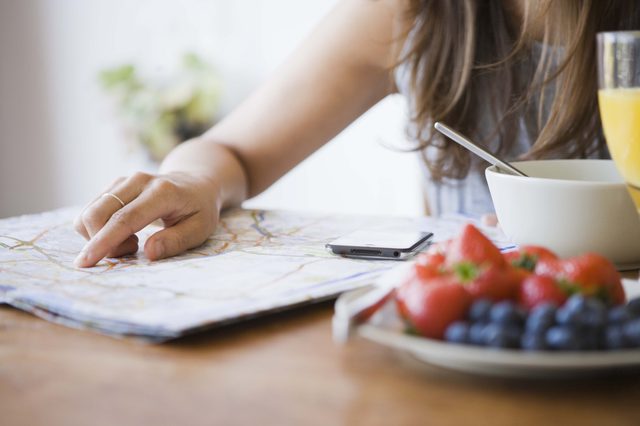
{"points": [[491, 282], [526, 257], [434, 258], [430, 309], [538, 289], [471, 246], [553, 268], [520, 275], [429, 265], [590, 274]]}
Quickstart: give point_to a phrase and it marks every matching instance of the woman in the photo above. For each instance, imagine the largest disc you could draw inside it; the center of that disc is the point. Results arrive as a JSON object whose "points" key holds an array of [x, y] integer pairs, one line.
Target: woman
{"points": [[518, 76]]}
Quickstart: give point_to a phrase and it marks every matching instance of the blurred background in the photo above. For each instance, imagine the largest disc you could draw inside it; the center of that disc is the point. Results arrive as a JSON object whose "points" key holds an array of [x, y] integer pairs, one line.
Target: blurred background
{"points": [[94, 89]]}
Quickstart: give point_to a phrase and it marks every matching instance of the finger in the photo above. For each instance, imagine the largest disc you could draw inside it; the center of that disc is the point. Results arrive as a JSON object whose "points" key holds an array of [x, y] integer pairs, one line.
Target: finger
{"points": [[175, 239], [130, 219], [78, 223], [129, 246], [107, 188], [97, 214]]}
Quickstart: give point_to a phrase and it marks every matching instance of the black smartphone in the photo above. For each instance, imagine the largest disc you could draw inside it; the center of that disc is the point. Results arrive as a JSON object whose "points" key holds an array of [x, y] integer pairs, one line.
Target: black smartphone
{"points": [[385, 244]]}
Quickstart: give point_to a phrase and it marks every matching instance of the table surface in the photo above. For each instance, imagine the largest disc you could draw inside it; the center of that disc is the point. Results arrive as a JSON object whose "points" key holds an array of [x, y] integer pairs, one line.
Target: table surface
{"points": [[280, 369]]}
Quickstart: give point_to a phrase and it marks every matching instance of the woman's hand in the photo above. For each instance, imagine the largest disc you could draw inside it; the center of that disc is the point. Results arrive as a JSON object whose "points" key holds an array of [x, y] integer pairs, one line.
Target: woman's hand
{"points": [[188, 206]]}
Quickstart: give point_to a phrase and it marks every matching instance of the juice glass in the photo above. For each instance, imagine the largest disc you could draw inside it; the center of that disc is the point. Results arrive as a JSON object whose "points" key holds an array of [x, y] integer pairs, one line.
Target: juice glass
{"points": [[619, 101]]}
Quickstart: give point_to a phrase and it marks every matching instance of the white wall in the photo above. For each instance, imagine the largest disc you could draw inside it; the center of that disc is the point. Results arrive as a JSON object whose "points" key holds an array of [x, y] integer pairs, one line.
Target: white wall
{"points": [[60, 142]]}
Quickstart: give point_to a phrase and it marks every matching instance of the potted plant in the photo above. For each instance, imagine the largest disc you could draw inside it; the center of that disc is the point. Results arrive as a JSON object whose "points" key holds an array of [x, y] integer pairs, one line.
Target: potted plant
{"points": [[161, 115]]}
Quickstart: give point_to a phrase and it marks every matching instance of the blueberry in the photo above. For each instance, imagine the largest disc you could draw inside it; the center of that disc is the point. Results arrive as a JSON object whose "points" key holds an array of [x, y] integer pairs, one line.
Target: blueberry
{"points": [[541, 318], [614, 338], [501, 336], [593, 313], [476, 334], [567, 316], [458, 332], [576, 302], [618, 315], [506, 313], [532, 341], [563, 338], [634, 307], [631, 332], [479, 310]]}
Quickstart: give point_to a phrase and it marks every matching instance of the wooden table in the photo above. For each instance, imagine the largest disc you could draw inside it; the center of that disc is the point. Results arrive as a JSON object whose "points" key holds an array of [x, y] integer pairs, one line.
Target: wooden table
{"points": [[283, 369]]}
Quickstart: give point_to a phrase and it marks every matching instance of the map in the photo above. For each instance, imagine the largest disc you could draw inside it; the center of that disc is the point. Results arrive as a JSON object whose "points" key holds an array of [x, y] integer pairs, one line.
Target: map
{"points": [[256, 262]]}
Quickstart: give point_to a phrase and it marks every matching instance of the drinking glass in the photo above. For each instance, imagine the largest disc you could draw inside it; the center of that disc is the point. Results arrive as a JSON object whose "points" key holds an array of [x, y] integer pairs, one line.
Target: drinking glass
{"points": [[619, 101]]}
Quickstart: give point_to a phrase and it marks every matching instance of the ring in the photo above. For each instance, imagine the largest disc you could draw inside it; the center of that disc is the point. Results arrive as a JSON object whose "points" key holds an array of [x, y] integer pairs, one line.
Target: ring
{"points": [[115, 197]]}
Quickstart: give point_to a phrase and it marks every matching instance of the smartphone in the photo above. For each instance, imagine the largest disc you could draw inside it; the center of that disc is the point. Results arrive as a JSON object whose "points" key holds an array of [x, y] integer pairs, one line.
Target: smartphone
{"points": [[372, 244]]}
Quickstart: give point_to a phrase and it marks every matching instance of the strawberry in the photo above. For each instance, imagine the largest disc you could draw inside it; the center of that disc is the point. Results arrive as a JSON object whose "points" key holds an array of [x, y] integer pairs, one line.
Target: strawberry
{"points": [[478, 265], [489, 282], [538, 289], [431, 258], [526, 257], [471, 246], [590, 274], [430, 309], [429, 265], [520, 275]]}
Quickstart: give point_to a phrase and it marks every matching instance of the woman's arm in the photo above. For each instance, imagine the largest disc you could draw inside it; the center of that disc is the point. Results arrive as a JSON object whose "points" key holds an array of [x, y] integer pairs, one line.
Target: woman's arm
{"points": [[338, 73]]}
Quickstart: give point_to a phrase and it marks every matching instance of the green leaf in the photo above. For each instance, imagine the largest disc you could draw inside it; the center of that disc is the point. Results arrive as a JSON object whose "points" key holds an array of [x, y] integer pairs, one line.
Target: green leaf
{"points": [[568, 287], [117, 76], [526, 261], [466, 271], [411, 330]]}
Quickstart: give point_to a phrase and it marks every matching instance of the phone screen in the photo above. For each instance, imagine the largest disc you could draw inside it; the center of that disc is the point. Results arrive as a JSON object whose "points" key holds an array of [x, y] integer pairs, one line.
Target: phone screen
{"points": [[404, 240]]}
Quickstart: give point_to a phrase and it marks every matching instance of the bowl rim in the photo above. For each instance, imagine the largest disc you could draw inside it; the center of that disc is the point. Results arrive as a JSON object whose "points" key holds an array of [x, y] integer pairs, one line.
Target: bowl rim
{"points": [[493, 170]]}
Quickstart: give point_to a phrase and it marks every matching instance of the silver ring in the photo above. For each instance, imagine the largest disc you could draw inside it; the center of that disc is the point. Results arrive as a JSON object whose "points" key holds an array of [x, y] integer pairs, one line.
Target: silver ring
{"points": [[115, 197]]}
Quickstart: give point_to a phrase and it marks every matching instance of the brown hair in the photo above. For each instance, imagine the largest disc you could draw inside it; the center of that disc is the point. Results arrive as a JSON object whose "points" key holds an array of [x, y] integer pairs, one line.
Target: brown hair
{"points": [[459, 47]]}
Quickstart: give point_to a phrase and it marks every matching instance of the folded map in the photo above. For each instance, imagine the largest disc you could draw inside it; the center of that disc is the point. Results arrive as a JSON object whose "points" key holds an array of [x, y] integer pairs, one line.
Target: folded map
{"points": [[256, 262]]}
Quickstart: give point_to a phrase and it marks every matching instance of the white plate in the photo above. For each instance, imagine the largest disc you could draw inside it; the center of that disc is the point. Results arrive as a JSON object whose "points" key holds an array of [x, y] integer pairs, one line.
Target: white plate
{"points": [[385, 328]]}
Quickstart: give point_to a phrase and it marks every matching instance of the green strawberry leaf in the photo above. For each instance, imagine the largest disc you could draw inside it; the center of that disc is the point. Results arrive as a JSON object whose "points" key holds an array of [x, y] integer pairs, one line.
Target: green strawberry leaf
{"points": [[466, 271], [568, 287], [526, 261], [571, 288], [411, 330]]}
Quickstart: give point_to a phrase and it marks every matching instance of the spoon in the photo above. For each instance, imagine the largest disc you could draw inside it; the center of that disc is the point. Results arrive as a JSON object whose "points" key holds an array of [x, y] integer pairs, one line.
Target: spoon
{"points": [[480, 152]]}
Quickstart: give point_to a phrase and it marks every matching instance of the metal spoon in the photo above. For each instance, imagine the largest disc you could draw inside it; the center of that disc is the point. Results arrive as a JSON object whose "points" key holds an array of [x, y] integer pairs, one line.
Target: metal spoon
{"points": [[480, 152]]}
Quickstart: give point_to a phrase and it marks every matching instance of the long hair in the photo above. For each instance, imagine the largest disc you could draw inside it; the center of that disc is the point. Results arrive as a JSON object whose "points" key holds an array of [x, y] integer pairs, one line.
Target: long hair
{"points": [[461, 50]]}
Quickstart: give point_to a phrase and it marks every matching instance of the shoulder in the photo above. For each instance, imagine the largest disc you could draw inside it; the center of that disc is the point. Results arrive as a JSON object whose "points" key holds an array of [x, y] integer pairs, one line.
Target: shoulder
{"points": [[374, 30]]}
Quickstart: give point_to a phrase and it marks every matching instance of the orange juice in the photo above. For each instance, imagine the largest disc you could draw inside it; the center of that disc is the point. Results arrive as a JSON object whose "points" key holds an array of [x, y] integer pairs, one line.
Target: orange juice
{"points": [[620, 113]]}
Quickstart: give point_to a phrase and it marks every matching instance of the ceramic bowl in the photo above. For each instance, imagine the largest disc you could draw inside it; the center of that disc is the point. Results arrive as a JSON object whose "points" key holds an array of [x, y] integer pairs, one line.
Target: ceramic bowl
{"points": [[569, 206]]}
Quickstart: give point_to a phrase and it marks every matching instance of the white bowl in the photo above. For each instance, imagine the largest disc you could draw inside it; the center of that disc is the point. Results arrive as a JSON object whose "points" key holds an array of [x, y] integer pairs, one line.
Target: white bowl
{"points": [[570, 206]]}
